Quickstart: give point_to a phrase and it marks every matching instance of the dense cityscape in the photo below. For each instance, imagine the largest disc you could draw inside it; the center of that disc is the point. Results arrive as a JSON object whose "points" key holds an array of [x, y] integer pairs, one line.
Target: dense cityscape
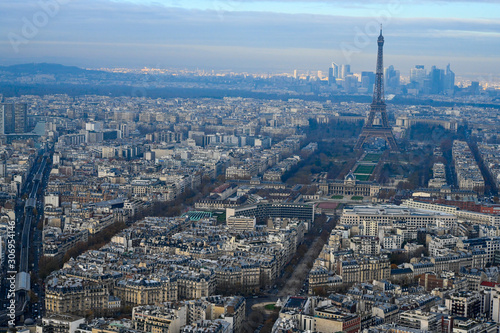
{"points": [[171, 200]]}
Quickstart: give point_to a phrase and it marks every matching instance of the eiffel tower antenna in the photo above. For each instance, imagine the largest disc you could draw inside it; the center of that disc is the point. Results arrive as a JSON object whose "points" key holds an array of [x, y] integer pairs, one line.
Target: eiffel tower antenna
{"points": [[378, 106]]}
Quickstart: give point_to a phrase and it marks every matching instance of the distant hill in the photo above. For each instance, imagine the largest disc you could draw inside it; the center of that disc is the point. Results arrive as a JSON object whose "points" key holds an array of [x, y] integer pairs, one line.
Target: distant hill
{"points": [[44, 68]]}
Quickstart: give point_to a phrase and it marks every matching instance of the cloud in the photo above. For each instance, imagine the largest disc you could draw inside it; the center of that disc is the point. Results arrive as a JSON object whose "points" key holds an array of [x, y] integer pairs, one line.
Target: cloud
{"points": [[110, 33], [371, 2]]}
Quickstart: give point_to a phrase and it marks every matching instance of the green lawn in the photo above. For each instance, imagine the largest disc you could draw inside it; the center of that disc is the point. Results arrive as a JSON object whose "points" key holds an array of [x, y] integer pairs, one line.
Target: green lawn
{"points": [[364, 169], [221, 218], [372, 158], [338, 197], [355, 197], [269, 307], [363, 178]]}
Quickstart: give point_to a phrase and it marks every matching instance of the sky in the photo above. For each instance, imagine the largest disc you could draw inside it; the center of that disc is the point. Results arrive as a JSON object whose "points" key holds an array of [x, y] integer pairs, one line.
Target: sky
{"points": [[254, 35]]}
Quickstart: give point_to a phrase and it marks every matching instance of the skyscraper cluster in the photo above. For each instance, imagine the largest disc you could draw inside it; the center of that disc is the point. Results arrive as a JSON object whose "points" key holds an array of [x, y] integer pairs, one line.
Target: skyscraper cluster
{"points": [[338, 72], [436, 81], [341, 77]]}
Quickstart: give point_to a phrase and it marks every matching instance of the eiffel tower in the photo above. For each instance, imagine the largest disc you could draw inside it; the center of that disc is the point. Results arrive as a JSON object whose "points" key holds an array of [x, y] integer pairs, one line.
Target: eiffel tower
{"points": [[378, 105]]}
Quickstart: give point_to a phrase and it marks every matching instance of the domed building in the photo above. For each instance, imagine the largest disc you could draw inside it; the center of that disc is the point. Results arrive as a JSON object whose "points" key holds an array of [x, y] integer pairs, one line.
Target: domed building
{"points": [[350, 186]]}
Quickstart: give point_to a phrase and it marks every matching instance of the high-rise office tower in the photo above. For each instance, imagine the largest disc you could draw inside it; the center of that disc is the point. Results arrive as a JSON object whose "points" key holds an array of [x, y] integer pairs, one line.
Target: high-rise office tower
{"points": [[8, 118], [392, 77], [449, 79], [14, 118], [418, 75], [2, 119], [345, 70], [378, 106], [474, 88], [333, 73], [20, 118], [335, 68], [350, 84], [436, 77], [367, 81]]}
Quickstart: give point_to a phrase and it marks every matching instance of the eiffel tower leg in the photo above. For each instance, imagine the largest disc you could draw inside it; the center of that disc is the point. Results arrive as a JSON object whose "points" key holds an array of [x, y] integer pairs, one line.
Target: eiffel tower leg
{"points": [[361, 140], [371, 117], [385, 120], [392, 142]]}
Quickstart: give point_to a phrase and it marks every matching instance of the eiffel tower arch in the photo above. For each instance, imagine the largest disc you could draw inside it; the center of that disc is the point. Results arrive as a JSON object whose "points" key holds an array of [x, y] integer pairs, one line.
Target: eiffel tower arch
{"points": [[378, 106]]}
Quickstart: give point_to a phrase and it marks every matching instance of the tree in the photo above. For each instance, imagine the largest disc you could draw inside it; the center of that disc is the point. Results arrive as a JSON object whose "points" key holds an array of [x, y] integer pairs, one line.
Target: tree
{"points": [[47, 265], [398, 258], [320, 291], [89, 314], [33, 297], [422, 238]]}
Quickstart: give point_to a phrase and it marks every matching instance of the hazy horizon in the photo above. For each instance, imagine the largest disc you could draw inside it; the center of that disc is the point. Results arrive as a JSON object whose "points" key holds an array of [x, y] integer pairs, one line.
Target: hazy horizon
{"points": [[253, 35]]}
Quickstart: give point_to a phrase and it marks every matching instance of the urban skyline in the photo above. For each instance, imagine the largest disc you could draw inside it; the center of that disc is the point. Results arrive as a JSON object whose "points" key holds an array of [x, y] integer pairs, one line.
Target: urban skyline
{"points": [[249, 35], [202, 180]]}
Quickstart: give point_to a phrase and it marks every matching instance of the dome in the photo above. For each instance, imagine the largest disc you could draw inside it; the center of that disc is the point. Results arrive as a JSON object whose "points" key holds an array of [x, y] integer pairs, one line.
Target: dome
{"points": [[350, 176], [29, 322]]}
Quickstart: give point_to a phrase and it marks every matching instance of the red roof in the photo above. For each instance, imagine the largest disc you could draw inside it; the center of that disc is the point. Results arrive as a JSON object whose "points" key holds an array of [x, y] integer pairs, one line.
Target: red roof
{"points": [[328, 205], [488, 284], [221, 188]]}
